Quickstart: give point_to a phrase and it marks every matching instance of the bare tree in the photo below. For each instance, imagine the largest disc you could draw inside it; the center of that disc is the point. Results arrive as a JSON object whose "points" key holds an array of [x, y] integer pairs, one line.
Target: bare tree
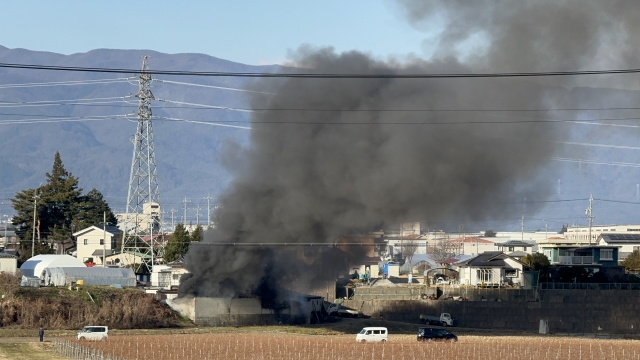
{"points": [[444, 249], [408, 248]]}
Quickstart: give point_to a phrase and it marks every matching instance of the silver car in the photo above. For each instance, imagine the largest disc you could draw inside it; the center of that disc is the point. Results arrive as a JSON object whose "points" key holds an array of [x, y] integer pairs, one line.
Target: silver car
{"points": [[93, 333]]}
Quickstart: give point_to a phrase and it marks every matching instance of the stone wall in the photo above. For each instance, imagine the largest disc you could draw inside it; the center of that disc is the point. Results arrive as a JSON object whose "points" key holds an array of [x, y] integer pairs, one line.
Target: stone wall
{"points": [[567, 311]]}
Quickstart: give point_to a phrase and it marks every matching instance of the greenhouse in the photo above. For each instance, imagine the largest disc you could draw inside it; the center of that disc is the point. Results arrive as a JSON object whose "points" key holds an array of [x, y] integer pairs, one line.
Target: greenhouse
{"points": [[61, 276]]}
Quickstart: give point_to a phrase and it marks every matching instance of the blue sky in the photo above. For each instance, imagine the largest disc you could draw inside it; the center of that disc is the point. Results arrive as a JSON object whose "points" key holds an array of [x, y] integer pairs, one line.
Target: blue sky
{"points": [[251, 32]]}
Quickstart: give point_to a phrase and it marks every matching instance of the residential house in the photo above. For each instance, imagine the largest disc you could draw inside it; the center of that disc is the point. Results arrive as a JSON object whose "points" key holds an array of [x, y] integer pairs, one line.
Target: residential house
{"points": [[91, 243], [8, 236], [168, 276], [127, 258], [627, 243], [516, 248], [8, 263], [588, 256], [473, 245], [491, 268]]}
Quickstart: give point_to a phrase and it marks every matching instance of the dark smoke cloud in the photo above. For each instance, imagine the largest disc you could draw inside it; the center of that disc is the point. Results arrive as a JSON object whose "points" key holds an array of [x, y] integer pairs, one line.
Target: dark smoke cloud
{"points": [[313, 176]]}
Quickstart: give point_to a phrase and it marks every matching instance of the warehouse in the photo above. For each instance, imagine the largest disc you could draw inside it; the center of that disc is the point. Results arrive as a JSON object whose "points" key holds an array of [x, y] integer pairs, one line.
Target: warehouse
{"points": [[293, 308]]}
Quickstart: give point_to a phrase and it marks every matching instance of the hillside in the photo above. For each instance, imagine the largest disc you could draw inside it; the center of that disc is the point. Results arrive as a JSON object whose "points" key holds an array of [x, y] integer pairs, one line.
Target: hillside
{"points": [[99, 152], [190, 155], [61, 308]]}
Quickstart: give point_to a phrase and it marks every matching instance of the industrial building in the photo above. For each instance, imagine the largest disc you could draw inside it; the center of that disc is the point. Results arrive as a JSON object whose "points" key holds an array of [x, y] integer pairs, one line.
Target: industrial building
{"points": [[293, 308]]}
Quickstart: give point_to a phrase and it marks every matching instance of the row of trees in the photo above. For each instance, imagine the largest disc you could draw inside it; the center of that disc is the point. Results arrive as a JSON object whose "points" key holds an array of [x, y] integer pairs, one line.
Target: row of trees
{"points": [[61, 209]]}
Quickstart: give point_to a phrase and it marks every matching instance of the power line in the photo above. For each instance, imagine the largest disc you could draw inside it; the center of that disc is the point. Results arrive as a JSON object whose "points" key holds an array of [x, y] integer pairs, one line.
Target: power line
{"points": [[594, 162], [217, 123], [320, 75], [54, 119], [204, 106], [65, 83], [213, 87]]}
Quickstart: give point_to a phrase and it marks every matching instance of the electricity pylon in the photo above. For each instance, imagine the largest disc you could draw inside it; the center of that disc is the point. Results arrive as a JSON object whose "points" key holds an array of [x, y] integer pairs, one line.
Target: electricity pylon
{"points": [[143, 222]]}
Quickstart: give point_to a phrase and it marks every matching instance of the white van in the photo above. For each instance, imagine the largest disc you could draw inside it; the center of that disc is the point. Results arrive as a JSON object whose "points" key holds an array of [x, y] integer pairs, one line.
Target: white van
{"points": [[373, 334], [93, 333]]}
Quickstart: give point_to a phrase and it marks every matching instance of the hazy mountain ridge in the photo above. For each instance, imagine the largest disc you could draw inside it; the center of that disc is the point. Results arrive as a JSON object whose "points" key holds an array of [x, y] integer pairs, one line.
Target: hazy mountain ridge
{"points": [[99, 152], [189, 155]]}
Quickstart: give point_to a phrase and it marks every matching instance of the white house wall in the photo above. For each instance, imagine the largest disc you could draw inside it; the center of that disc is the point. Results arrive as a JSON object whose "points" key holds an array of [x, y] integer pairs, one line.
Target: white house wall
{"points": [[8, 265]]}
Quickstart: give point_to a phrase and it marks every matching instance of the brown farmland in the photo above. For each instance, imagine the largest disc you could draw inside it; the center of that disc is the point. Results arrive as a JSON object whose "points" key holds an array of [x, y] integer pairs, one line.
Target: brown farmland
{"points": [[289, 346]]}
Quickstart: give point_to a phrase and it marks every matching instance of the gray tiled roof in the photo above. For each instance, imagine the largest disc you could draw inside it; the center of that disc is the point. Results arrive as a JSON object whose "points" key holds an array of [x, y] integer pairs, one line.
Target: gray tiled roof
{"points": [[6, 255], [487, 258]]}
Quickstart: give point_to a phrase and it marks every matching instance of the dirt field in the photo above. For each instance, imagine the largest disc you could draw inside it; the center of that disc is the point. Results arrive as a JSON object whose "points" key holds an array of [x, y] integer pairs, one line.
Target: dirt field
{"points": [[260, 345]]}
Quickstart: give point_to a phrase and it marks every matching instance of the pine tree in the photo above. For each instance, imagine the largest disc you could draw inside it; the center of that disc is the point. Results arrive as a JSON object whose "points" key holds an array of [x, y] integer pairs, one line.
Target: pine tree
{"points": [[60, 196], [90, 211], [196, 234], [177, 245]]}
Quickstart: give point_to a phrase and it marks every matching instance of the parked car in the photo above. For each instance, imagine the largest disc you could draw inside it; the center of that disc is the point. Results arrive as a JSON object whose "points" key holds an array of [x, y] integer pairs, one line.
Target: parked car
{"points": [[373, 334], [93, 333], [435, 334]]}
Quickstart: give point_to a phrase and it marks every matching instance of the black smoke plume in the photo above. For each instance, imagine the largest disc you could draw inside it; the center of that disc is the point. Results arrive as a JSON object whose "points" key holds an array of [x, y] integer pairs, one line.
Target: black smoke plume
{"points": [[329, 157]]}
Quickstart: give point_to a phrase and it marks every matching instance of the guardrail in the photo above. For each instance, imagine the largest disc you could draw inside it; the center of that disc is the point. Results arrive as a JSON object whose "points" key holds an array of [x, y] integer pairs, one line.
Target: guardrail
{"points": [[73, 350], [587, 286]]}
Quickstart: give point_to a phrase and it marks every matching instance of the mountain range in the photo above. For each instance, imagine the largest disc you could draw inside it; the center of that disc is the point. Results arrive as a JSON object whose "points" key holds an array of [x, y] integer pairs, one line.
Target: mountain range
{"points": [[190, 153]]}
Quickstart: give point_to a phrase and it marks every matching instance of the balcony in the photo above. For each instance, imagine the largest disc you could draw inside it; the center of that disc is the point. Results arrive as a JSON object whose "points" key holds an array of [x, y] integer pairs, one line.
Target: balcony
{"points": [[576, 260]]}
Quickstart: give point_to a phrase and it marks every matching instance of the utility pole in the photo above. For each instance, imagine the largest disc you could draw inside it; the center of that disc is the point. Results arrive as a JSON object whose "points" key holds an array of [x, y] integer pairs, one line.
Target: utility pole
{"points": [[185, 201], [173, 226], [33, 235], [208, 198], [546, 230], [197, 209], [460, 231], [589, 213], [104, 239], [143, 196]]}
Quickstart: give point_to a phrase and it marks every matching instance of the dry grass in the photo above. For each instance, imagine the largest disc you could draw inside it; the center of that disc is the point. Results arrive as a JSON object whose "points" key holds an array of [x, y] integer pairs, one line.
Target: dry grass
{"points": [[61, 308], [289, 346]]}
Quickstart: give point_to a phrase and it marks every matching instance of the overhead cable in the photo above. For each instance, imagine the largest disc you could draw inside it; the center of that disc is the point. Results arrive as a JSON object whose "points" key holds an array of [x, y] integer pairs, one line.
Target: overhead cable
{"points": [[320, 75], [212, 86], [204, 106], [594, 162], [65, 83], [202, 122]]}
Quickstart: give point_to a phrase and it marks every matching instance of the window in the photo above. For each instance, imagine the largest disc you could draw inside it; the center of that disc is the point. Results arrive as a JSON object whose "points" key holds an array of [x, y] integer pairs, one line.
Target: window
{"points": [[376, 332], [636, 248], [511, 248], [86, 241], [101, 241], [484, 275], [606, 254], [176, 276], [511, 273]]}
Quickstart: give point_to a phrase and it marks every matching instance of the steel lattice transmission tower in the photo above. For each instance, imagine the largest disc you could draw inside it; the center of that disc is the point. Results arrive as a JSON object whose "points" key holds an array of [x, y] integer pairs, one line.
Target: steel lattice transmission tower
{"points": [[143, 219]]}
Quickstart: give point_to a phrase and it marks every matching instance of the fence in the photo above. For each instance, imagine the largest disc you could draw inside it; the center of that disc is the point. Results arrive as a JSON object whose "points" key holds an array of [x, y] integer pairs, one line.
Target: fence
{"points": [[587, 286], [73, 350]]}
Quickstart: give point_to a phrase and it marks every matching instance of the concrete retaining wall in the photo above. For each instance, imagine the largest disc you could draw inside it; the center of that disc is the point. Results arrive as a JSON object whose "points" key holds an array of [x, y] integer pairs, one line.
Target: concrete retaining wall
{"points": [[570, 311]]}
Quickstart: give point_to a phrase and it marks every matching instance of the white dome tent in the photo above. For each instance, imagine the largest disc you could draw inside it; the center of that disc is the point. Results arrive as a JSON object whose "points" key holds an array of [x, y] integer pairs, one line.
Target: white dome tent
{"points": [[35, 266]]}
